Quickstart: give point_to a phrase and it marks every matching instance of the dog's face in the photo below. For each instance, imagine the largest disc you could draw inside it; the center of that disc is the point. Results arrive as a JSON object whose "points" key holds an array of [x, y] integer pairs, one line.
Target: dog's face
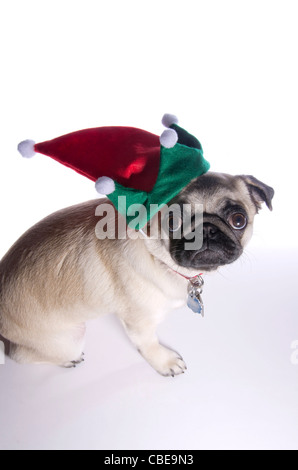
{"points": [[229, 205]]}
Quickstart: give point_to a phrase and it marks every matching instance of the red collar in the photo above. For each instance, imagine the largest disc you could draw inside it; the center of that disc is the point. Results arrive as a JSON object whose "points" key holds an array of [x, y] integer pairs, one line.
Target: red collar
{"points": [[187, 277]]}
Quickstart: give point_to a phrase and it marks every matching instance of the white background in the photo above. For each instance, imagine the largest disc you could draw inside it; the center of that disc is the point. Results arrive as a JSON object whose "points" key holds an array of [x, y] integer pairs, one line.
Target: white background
{"points": [[229, 70]]}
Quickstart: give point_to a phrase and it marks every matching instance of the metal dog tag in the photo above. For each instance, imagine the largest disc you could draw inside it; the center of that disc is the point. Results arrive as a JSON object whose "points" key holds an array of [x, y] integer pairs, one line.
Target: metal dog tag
{"points": [[194, 301]]}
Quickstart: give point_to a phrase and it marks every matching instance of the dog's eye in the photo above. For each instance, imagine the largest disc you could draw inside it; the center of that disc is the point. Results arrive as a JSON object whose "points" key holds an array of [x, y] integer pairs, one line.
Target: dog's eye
{"points": [[174, 223], [238, 221]]}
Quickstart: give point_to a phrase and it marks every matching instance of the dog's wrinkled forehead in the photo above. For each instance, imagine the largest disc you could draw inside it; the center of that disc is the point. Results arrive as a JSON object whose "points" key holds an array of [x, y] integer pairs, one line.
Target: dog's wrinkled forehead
{"points": [[215, 190]]}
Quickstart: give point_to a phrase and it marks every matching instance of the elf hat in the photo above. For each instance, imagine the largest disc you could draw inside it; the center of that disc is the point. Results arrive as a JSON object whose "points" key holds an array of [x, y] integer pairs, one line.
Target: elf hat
{"points": [[148, 170]]}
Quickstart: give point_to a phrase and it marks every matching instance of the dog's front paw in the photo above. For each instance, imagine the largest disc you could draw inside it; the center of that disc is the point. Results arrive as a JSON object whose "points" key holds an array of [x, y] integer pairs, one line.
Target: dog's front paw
{"points": [[165, 361]]}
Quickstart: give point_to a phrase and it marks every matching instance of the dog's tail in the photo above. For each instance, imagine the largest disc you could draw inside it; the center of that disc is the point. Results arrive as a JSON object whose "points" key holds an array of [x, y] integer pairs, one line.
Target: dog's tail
{"points": [[4, 344]]}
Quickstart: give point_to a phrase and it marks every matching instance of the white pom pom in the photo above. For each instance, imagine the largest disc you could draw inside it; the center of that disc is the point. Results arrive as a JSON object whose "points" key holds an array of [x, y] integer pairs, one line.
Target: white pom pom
{"points": [[105, 185], [169, 119], [26, 148], [169, 138]]}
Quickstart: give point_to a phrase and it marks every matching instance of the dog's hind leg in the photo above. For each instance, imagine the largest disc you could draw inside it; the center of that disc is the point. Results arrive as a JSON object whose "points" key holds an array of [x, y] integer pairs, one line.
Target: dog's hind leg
{"points": [[63, 348]]}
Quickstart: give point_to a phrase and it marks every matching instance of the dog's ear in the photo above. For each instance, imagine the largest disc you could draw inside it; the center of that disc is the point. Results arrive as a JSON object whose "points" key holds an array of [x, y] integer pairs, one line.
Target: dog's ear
{"points": [[259, 192]]}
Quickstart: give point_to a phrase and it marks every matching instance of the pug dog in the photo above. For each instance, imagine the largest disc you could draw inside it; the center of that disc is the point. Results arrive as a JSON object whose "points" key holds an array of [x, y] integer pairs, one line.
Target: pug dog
{"points": [[59, 274]]}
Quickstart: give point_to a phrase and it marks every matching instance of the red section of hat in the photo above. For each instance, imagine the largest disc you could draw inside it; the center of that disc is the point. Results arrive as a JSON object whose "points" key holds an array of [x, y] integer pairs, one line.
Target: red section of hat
{"points": [[128, 155], [134, 168]]}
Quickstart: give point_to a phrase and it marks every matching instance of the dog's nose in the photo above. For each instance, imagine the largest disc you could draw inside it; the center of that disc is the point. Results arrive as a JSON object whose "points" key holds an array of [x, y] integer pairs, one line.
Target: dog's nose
{"points": [[210, 231]]}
